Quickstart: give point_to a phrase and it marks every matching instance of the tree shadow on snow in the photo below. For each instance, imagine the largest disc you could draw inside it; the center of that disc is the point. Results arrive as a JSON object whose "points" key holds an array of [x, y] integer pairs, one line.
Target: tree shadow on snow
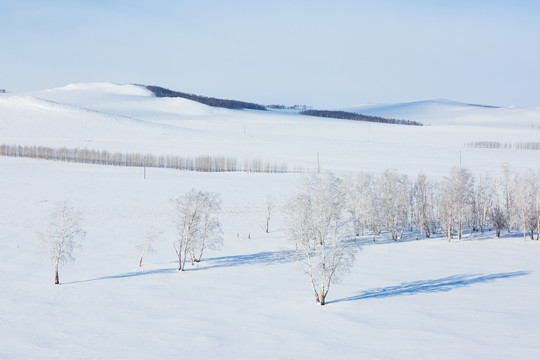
{"points": [[262, 258], [125, 275], [429, 286]]}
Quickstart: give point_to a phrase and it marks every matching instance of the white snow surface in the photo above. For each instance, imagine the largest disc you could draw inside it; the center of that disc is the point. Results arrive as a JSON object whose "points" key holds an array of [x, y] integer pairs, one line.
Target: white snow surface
{"points": [[474, 299], [447, 112]]}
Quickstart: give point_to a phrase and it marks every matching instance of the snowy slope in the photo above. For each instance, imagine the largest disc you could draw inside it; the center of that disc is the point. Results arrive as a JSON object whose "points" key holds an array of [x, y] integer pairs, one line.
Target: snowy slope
{"points": [[474, 299], [411, 300], [446, 112]]}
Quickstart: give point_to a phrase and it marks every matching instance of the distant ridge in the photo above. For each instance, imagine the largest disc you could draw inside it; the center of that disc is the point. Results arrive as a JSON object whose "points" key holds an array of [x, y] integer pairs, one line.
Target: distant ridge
{"points": [[358, 117], [210, 101]]}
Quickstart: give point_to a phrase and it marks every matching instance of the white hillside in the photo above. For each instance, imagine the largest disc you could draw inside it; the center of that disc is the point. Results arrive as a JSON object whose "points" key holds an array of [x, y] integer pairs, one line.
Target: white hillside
{"points": [[126, 100], [446, 112], [407, 299]]}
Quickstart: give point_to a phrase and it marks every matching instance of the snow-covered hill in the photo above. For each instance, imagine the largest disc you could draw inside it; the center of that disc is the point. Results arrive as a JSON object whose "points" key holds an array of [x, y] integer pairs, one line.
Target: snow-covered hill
{"points": [[446, 112], [128, 118], [474, 299]]}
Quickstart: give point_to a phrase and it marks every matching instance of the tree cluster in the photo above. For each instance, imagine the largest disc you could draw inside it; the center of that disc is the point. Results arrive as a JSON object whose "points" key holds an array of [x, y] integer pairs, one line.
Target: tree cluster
{"points": [[289, 107], [327, 214], [195, 218], [358, 117], [457, 204], [506, 145], [210, 101]]}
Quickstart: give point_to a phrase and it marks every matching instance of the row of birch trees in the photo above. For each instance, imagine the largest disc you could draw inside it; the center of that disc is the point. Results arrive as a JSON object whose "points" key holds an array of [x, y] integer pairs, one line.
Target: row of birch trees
{"points": [[459, 203], [204, 163]]}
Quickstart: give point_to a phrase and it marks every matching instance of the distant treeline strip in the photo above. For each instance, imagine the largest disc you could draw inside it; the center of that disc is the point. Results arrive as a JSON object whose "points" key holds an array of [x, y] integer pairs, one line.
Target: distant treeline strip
{"points": [[358, 117], [229, 104], [506, 145], [203, 163]]}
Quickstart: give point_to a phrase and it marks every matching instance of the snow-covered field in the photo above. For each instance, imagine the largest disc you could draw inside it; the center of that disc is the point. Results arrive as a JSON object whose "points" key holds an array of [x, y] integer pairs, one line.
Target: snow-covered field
{"points": [[474, 299]]}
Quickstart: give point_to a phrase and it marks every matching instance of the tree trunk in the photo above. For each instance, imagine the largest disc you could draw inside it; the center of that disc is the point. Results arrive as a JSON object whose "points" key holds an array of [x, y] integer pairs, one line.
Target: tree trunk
{"points": [[56, 278], [200, 255], [323, 297], [140, 261], [316, 296]]}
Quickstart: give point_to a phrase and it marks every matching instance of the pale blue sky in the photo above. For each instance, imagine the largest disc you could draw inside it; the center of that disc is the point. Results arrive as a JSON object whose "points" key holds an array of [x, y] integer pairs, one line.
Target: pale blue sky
{"points": [[322, 53]]}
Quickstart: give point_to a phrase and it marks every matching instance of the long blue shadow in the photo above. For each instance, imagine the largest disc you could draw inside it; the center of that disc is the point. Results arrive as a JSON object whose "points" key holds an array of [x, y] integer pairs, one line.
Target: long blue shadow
{"points": [[262, 258], [429, 286], [125, 275]]}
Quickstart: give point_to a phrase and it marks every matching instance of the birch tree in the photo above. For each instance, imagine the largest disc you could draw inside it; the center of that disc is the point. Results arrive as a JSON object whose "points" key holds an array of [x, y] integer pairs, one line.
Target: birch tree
{"points": [[63, 236], [268, 211], [197, 226], [147, 245], [524, 196], [374, 210], [537, 204], [317, 228], [422, 213], [508, 190], [210, 232], [356, 201], [459, 186], [484, 194]]}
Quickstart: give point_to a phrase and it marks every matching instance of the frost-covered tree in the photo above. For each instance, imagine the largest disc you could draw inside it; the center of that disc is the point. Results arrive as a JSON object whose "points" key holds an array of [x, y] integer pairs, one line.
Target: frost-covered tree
{"points": [[459, 186], [523, 199], [63, 236], [147, 245], [394, 192], [197, 226], [508, 190], [537, 203], [356, 201], [484, 198], [210, 233], [422, 205], [374, 217], [316, 225], [446, 206], [268, 211]]}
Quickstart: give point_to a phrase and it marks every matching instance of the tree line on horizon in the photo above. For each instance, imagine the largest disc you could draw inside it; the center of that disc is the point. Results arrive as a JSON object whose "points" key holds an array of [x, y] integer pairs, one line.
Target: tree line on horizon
{"points": [[210, 101], [345, 115]]}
